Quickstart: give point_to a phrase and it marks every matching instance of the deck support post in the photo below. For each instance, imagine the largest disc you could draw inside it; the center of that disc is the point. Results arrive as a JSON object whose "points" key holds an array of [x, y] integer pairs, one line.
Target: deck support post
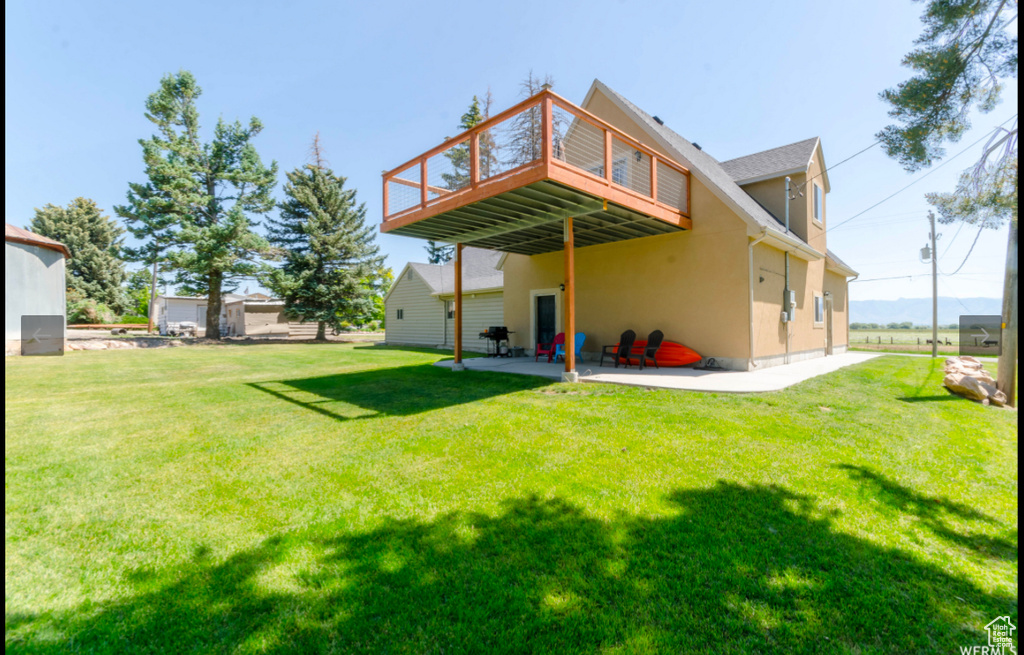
{"points": [[569, 302], [458, 365]]}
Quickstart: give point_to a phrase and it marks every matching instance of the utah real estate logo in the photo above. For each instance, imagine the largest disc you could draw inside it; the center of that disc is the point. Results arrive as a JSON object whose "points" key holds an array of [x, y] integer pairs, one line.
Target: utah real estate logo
{"points": [[1000, 639]]}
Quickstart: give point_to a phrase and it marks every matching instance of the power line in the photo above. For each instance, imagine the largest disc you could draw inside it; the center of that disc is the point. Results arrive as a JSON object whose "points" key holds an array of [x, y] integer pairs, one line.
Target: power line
{"points": [[835, 166], [968, 254], [953, 240], [890, 197]]}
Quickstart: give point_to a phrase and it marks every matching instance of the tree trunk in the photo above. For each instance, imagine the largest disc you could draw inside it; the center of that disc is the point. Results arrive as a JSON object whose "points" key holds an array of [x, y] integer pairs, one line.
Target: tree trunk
{"points": [[213, 305], [1007, 374], [321, 331], [152, 298]]}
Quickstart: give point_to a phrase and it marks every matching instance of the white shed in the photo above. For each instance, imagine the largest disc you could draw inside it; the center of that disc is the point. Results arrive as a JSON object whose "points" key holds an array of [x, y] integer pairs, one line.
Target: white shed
{"points": [[34, 282], [420, 304], [173, 310]]}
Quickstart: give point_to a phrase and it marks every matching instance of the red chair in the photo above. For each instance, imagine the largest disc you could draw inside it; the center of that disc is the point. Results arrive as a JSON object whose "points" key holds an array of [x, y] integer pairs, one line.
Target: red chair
{"points": [[550, 348]]}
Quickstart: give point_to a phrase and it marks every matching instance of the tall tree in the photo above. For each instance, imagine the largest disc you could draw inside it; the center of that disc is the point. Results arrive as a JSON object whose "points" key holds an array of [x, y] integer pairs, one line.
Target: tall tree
{"points": [[210, 188], [95, 270], [526, 133], [150, 217], [963, 59], [459, 175], [331, 260]]}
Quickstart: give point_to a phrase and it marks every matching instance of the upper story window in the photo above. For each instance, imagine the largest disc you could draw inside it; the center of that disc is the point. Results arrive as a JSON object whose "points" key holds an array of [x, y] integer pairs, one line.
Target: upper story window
{"points": [[399, 314], [819, 204]]}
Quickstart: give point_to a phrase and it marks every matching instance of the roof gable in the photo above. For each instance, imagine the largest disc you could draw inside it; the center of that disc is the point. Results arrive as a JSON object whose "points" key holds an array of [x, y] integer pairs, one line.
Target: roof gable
{"points": [[775, 162], [701, 164], [479, 271]]}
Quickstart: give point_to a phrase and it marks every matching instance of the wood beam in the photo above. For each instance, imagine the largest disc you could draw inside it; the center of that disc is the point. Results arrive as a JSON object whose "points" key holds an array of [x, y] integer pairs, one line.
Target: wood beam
{"points": [[458, 303], [569, 301]]}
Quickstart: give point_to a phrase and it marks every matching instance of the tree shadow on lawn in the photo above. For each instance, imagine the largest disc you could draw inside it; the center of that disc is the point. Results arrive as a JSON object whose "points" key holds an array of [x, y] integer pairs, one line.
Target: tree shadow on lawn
{"points": [[935, 513], [735, 569], [398, 391]]}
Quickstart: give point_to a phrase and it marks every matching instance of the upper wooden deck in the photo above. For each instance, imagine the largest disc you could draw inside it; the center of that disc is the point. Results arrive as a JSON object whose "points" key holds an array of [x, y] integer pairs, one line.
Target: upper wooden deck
{"points": [[508, 183]]}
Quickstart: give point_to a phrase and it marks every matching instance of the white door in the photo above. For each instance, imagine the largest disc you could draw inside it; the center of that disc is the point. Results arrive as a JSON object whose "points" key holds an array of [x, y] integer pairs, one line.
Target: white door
{"points": [[201, 316]]}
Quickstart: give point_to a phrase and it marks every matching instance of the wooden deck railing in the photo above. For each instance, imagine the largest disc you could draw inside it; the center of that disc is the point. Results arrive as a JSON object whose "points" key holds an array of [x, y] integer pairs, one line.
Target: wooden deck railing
{"points": [[543, 130]]}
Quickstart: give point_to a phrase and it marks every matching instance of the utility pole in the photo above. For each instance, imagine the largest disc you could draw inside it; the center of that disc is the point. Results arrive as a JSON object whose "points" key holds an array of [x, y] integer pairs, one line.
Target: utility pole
{"points": [[935, 289]]}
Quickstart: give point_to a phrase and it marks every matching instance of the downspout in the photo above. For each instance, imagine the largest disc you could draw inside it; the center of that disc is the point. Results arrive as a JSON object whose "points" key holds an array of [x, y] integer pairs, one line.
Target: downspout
{"points": [[750, 309]]}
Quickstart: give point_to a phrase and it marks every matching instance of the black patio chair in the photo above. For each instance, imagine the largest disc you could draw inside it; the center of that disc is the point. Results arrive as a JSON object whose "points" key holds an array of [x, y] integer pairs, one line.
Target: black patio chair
{"points": [[621, 349], [654, 340]]}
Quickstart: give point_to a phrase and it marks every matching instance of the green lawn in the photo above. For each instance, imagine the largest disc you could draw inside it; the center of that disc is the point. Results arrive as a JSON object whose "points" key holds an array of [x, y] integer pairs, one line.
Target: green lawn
{"points": [[339, 498]]}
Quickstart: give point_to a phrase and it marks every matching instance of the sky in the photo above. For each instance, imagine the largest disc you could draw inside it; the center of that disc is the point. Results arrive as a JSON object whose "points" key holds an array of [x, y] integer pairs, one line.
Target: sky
{"points": [[383, 82]]}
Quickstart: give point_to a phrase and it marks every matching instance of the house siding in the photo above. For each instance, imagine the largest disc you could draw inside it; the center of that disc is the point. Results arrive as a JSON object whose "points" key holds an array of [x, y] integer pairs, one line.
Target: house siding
{"points": [[480, 311], [423, 313]]}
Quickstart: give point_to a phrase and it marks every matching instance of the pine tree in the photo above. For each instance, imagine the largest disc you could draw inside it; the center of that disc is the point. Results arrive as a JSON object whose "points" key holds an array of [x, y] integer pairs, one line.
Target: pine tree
{"points": [[94, 271], [526, 131], [331, 261], [964, 56], [209, 188], [149, 217], [439, 253]]}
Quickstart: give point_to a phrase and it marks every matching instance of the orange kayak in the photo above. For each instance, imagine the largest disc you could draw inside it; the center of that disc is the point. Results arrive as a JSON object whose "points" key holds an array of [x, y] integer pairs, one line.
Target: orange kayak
{"points": [[670, 354]]}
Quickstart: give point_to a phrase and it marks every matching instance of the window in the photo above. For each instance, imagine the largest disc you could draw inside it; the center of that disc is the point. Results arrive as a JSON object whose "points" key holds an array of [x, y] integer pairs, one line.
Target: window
{"points": [[619, 171], [399, 314], [450, 309], [819, 309], [819, 199]]}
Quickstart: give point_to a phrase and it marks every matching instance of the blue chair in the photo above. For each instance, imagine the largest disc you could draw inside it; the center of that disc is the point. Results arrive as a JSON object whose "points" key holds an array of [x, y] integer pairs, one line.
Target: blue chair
{"points": [[560, 348]]}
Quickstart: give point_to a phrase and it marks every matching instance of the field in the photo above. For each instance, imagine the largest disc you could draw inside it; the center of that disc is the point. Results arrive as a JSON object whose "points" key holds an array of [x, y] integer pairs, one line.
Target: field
{"points": [[914, 340], [346, 498]]}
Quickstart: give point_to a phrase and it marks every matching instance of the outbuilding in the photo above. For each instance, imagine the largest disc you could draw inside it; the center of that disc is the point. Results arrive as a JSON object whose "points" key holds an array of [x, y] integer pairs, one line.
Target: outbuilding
{"points": [[35, 283]]}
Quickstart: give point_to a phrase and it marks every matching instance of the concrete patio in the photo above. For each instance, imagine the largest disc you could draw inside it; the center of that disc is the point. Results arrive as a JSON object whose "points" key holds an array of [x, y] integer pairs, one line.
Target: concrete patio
{"points": [[688, 379]]}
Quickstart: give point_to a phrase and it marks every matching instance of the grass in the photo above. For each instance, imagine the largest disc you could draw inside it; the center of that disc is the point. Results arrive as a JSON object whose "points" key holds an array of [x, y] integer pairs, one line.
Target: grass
{"points": [[340, 498]]}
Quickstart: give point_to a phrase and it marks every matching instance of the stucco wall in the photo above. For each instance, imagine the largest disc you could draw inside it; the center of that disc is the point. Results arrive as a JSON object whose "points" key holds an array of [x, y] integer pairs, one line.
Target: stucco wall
{"points": [[691, 285], [34, 284]]}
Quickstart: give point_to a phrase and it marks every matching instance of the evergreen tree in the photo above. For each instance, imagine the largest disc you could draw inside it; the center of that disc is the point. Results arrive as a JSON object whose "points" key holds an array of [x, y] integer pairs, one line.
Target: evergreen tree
{"points": [[94, 271], [459, 176], [526, 130], [439, 253], [210, 189], [331, 262], [964, 56], [150, 217]]}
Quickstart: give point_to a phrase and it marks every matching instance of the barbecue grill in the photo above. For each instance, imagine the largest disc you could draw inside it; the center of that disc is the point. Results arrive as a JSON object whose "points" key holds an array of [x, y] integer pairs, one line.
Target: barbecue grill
{"points": [[496, 335]]}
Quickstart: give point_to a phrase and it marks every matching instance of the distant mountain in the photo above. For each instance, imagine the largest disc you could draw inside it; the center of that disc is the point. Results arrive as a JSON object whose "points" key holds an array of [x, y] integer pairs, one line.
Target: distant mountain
{"points": [[919, 310]]}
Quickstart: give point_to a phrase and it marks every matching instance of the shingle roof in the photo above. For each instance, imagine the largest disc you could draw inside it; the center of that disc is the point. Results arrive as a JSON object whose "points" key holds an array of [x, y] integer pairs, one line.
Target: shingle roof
{"points": [[715, 175], [771, 163], [834, 260], [21, 235], [479, 271], [702, 165]]}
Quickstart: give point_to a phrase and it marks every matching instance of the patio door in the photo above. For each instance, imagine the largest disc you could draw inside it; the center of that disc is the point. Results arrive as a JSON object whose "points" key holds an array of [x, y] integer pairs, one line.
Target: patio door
{"points": [[545, 316]]}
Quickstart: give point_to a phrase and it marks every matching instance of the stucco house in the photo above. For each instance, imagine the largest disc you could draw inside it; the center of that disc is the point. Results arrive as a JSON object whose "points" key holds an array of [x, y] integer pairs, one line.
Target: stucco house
{"points": [[619, 222], [420, 305], [34, 282]]}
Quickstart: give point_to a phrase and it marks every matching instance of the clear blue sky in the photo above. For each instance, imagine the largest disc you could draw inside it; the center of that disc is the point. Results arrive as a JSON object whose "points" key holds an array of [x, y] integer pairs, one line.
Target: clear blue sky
{"points": [[383, 82]]}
